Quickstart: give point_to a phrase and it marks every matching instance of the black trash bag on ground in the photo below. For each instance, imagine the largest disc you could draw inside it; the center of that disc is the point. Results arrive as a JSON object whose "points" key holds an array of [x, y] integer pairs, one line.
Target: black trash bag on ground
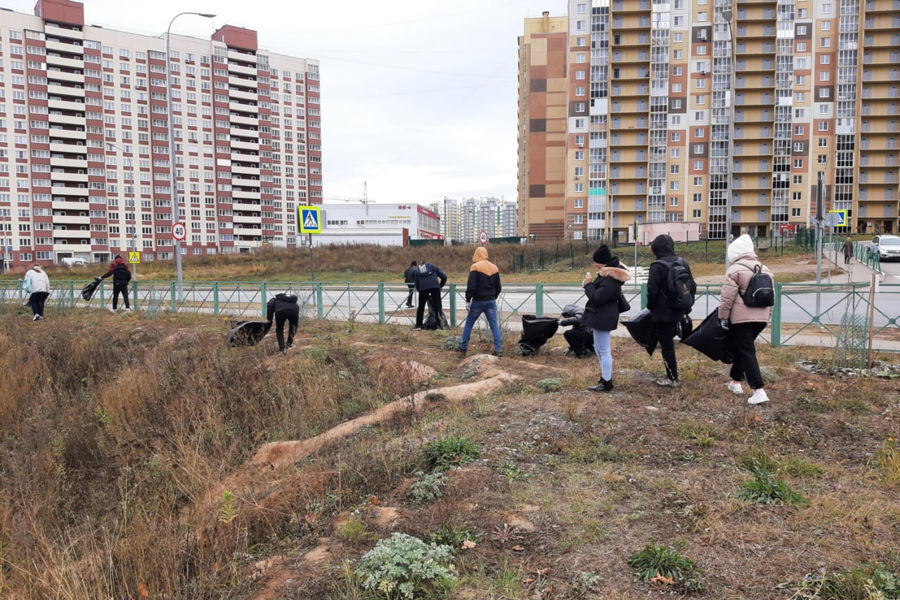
{"points": [[711, 339], [87, 292], [435, 320], [642, 330], [535, 333], [581, 342], [248, 333]]}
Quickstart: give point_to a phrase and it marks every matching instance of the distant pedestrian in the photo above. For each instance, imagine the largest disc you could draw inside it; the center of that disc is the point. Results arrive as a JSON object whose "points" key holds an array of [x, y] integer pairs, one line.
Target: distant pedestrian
{"points": [[121, 275], [665, 311], [482, 289], [37, 284], [744, 323], [429, 281], [848, 250], [284, 308], [601, 314], [409, 276]]}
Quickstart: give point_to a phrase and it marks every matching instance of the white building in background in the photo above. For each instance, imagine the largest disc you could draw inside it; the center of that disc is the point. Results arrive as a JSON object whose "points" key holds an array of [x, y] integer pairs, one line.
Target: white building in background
{"points": [[379, 224], [463, 220]]}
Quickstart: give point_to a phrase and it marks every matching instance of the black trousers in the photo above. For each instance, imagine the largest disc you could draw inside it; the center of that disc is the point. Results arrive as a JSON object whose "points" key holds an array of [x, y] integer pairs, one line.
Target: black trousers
{"points": [[431, 297], [292, 317], [120, 288], [412, 290], [741, 338], [665, 332], [36, 301]]}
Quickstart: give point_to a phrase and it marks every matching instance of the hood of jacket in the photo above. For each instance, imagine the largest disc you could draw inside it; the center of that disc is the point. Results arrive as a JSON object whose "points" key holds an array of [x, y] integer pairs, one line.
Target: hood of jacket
{"points": [[427, 269], [286, 297], [615, 271], [663, 245], [739, 247], [37, 268], [480, 254]]}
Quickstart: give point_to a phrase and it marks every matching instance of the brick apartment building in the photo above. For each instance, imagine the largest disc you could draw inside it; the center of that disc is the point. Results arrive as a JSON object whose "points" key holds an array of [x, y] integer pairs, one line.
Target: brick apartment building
{"points": [[84, 140], [645, 111]]}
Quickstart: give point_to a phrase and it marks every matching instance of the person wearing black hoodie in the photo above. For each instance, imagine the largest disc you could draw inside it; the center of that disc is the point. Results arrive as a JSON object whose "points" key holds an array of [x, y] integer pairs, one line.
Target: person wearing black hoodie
{"points": [[664, 317], [121, 275], [409, 277], [284, 308], [429, 281]]}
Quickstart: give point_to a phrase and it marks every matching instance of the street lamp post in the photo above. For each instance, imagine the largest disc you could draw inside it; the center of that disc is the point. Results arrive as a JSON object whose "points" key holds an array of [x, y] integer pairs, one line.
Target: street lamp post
{"points": [[173, 171], [728, 14]]}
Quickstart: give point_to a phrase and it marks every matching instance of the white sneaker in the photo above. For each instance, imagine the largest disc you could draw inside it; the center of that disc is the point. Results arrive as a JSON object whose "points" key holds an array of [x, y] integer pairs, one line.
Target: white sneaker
{"points": [[735, 387], [758, 397], [666, 382], [112, 310], [37, 318]]}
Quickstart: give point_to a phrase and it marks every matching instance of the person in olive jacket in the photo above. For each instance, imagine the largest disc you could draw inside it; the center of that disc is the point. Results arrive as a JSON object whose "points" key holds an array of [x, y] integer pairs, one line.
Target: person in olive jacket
{"points": [[664, 317], [601, 314]]}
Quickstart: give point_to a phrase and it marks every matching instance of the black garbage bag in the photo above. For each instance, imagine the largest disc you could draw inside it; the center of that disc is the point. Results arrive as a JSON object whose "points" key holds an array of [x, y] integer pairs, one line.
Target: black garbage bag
{"points": [[535, 333], [248, 333], [87, 292], [435, 320], [642, 330], [711, 339]]}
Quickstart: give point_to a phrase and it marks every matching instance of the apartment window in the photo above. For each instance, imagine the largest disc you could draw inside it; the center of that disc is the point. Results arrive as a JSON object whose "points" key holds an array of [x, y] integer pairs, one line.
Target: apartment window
{"points": [[824, 76], [673, 185], [826, 25], [795, 212], [677, 71], [579, 141], [699, 132], [675, 152], [801, 46], [579, 155], [698, 180], [674, 169], [579, 187], [579, 123], [579, 91], [676, 87], [802, 13], [580, 57], [678, 54], [798, 163], [799, 130], [578, 220], [697, 213], [698, 197], [821, 159], [825, 59], [676, 136], [580, 41], [798, 179], [579, 202], [698, 148], [800, 96], [673, 200], [580, 107], [677, 38], [579, 74], [796, 196], [801, 29], [823, 142], [698, 166]]}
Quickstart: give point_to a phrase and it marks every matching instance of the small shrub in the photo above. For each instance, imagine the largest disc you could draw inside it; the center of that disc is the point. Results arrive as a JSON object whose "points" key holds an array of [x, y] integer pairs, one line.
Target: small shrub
{"points": [[353, 530], [449, 452], [454, 538], [402, 565], [551, 384], [656, 560], [428, 488], [765, 489], [867, 582]]}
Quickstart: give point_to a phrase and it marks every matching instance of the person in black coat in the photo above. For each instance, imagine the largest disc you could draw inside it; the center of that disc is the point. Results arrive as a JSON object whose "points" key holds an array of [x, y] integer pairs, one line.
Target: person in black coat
{"points": [[409, 277], [601, 314], [664, 317], [429, 281], [121, 275], [284, 308]]}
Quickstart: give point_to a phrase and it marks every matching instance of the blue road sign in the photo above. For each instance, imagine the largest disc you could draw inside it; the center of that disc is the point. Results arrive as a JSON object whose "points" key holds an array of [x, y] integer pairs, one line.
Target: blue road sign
{"points": [[310, 219]]}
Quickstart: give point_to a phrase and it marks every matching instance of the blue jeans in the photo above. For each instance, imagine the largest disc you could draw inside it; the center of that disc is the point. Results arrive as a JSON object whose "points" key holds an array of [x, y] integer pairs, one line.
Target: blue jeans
{"points": [[488, 307], [604, 353]]}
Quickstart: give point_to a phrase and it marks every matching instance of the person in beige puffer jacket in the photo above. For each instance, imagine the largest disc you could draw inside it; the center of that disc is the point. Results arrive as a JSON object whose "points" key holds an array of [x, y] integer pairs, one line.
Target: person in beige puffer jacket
{"points": [[743, 322]]}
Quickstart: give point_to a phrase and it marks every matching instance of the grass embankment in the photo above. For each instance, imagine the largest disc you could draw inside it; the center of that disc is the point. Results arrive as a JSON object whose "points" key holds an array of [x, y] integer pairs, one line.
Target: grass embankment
{"points": [[121, 438], [543, 263]]}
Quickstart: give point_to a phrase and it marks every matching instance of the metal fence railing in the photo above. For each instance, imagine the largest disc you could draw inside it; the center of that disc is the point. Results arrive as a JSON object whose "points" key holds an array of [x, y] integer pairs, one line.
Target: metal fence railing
{"points": [[801, 311]]}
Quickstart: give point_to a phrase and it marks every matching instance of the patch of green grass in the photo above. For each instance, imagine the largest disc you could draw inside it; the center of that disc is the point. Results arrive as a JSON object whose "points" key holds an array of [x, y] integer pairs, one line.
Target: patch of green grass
{"points": [[888, 457], [701, 434], [510, 470], [866, 582], [454, 537], [798, 467], [764, 488], [551, 384], [353, 530], [594, 449], [656, 560], [451, 451]]}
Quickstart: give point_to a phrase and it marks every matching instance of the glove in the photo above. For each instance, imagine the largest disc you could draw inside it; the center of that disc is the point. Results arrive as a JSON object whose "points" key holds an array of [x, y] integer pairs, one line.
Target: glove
{"points": [[469, 305], [97, 278], [725, 324]]}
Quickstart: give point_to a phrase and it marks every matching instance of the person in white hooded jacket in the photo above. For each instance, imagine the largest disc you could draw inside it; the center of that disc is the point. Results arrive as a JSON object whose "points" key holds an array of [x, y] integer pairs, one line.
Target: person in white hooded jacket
{"points": [[744, 323], [37, 284]]}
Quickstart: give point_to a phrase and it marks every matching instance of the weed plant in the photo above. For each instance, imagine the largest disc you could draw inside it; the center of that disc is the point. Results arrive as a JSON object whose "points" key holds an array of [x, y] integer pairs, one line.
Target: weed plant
{"points": [[766, 489], [428, 487], [447, 452], [666, 563], [866, 582], [403, 565]]}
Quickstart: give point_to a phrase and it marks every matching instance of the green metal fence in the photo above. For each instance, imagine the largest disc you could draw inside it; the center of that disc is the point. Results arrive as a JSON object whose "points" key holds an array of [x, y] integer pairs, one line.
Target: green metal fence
{"points": [[801, 311]]}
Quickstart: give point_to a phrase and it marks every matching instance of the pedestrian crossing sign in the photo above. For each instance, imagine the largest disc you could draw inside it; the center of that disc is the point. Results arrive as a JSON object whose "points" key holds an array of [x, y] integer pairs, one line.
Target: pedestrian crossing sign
{"points": [[840, 218], [310, 219], [134, 258]]}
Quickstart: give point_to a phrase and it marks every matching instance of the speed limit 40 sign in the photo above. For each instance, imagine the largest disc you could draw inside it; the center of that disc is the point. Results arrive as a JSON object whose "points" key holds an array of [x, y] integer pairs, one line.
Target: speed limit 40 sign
{"points": [[179, 231], [483, 237]]}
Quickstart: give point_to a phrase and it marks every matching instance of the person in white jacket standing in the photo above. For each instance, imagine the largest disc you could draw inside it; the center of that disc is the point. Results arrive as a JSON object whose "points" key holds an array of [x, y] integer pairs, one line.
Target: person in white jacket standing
{"points": [[744, 323], [38, 285]]}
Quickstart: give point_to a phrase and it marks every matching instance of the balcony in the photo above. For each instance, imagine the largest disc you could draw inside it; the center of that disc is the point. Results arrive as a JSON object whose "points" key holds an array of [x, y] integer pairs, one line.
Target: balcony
{"points": [[243, 108], [242, 95], [69, 191], [65, 105], [244, 145], [241, 56], [64, 90], [55, 31], [68, 148], [74, 163], [241, 69], [70, 134], [248, 219], [242, 83], [71, 220], [70, 205], [71, 63], [73, 177], [242, 120], [66, 47], [238, 170], [244, 207], [67, 120], [246, 195], [65, 76]]}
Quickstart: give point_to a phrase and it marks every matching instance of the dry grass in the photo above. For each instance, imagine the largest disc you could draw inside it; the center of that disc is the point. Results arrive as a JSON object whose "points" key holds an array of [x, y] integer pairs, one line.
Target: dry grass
{"points": [[120, 435]]}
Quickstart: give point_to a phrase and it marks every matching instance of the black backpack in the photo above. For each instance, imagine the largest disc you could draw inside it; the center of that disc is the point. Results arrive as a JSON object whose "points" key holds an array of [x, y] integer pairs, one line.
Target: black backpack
{"points": [[680, 285], [760, 291]]}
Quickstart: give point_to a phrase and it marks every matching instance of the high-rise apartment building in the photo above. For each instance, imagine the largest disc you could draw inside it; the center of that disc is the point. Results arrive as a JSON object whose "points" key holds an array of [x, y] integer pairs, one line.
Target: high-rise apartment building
{"points": [[463, 220], [654, 111], [84, 140]]}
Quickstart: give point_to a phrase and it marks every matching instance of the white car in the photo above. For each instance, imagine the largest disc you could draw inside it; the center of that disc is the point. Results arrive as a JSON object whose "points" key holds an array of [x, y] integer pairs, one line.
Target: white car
{"points": [[887, 246], [74, 262]]}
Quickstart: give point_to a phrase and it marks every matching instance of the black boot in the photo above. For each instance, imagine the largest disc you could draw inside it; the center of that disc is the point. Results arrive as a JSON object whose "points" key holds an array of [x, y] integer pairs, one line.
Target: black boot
{"points": [[602, 386]]}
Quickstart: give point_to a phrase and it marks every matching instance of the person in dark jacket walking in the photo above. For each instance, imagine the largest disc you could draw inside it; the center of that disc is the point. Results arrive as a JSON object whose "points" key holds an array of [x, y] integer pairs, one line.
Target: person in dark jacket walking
{"points": [[284, 308], [429, 281], [848, 250], [482, 289], [664, 317], [121, 275], [409, 277], [601, 314]]}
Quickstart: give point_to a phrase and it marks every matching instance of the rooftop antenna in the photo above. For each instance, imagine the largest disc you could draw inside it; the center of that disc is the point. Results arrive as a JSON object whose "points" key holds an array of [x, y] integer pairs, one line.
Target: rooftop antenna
{"points": [[366, 196]]}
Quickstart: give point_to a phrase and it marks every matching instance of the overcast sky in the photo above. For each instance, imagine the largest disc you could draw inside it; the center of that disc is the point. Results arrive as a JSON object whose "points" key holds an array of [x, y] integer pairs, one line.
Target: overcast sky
{"points": [[418, 97]]}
